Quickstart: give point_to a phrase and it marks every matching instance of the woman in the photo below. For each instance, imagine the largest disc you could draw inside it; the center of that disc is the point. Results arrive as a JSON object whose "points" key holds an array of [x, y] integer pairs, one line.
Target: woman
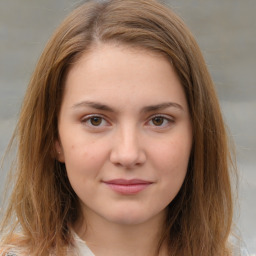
{"points": [[122, 148]]}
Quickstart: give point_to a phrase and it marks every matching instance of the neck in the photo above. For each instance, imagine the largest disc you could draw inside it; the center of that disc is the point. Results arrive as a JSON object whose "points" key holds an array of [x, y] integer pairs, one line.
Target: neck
{"points": [[108, 238]]}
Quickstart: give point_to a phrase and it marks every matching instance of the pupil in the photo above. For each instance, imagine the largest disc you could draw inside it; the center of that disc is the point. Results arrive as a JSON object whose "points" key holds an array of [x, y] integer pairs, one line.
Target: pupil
{"points": [[158, 121], [96, 121]]}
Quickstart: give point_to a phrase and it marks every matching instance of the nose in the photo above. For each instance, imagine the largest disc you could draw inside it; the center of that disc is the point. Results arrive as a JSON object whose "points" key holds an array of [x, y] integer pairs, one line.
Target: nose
{"points": [[127, 150]]}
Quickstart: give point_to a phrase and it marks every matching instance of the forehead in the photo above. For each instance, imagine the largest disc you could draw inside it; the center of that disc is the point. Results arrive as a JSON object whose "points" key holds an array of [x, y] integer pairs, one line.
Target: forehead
{"points": [[108, 71]]}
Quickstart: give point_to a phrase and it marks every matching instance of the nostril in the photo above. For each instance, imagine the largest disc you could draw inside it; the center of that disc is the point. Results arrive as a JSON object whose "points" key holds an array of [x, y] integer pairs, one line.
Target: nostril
{"points": [[128, 159], [127, 150]]}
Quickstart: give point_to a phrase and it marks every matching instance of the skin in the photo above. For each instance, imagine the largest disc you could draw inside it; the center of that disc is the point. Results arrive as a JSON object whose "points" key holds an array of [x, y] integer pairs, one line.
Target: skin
{"points": [[124, 115]]}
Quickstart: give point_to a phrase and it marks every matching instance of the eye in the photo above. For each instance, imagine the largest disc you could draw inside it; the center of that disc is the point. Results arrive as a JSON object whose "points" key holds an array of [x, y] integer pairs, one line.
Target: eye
{"points": [[94, 121], [160, 121]]}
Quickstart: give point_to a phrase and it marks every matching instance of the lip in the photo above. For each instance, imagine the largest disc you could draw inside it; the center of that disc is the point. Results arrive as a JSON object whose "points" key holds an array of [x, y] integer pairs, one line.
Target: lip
{"points": [[127, 187]]}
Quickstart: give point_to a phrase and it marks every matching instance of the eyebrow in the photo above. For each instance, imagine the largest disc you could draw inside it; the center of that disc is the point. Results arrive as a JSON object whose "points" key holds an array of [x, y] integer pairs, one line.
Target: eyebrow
{"points": [[100, 106], [95, 105], [162, 106]]}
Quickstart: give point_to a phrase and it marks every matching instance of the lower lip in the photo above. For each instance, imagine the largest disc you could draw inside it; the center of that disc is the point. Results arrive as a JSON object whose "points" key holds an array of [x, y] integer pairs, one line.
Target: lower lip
{"points": [[129, 189]]}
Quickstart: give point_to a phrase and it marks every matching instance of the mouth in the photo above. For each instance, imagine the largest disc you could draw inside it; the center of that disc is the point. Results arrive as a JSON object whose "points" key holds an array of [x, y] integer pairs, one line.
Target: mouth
{"points": [[127, 187]]}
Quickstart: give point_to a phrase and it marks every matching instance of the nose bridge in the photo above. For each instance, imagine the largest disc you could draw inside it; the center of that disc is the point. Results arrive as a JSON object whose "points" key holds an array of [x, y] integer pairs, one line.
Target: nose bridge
{"points": [[127, 149], [129, 137]]}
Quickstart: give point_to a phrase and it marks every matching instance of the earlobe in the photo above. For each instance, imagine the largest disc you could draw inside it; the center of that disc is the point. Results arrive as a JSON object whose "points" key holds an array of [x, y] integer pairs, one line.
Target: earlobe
{"points": [[59, 154]]}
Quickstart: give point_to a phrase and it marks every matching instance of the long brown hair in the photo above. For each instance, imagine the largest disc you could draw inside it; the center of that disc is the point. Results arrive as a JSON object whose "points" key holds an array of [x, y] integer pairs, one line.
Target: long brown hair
{"points": [[43, 204]]}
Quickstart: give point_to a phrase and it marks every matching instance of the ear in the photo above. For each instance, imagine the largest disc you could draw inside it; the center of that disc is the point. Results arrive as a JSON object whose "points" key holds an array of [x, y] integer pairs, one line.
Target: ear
{"points": [[59, 154]]}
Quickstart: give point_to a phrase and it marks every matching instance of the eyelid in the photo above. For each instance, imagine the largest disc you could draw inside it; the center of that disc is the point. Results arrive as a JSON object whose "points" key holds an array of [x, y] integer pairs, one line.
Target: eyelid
{"points": [[167, 117], [162, 115], [86, 117]]}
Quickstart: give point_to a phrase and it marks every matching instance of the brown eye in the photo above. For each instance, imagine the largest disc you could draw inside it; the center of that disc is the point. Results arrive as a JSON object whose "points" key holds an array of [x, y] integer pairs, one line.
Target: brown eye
{"points": [[96, 120], [158, 120]]}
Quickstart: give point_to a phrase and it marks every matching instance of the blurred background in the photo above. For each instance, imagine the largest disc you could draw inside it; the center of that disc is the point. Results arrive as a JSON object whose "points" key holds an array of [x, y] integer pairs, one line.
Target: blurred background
{"points": [[226, 33]]}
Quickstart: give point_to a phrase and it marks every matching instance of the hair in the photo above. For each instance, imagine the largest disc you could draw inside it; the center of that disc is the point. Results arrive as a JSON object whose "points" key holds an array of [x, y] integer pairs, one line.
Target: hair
{"points": [[43, 204]]}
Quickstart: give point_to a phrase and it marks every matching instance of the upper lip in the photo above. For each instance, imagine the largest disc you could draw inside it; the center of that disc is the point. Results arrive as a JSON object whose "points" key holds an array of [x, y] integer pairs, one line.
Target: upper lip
{"points": [[127, 182]]}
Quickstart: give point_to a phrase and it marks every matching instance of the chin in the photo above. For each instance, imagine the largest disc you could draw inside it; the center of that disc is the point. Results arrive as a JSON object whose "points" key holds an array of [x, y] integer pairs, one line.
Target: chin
{"points": [[129, 217], [127, 221]]}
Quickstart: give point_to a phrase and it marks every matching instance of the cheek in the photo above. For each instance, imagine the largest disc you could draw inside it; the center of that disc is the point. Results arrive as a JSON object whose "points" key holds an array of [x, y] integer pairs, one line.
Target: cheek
{"points": [[84, 164], [84, 160], [171, 160], [173, 153]]}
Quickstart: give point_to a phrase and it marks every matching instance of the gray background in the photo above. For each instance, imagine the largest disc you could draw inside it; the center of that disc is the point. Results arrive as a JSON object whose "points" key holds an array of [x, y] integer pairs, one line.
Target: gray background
{"points": [[226, 33]]}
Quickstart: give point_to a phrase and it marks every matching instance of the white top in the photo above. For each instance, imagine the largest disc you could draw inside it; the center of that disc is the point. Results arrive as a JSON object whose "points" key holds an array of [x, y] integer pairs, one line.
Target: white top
{"points": [[81, 249], [78, 249]]}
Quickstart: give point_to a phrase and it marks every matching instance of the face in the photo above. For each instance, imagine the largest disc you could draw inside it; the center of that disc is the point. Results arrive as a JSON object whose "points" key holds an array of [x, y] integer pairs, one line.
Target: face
{"points": [[125, 134]]}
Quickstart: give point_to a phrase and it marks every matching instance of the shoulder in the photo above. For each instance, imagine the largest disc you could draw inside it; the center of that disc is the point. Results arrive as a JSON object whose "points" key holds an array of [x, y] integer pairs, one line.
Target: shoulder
{"points": [[12, 251], [4, 252], [13, 245], [238, 246], [81, 247]]}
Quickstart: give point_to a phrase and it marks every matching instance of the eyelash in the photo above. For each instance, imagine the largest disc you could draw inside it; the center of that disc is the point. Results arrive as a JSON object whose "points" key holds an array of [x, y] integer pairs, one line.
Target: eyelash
{"points": [[87, 120], [166, 119]]}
